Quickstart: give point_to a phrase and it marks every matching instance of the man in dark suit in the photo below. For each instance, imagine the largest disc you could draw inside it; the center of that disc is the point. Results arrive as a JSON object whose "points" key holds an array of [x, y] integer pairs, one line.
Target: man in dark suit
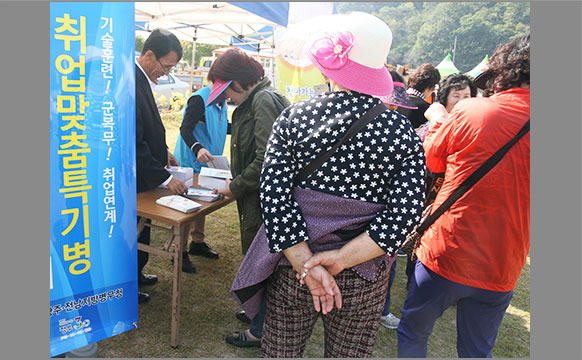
{"points": [[161, 52]]}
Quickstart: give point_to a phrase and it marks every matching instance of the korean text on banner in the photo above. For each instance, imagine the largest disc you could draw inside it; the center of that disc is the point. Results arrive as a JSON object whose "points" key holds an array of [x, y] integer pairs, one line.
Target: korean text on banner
{"points": [[93, 242], [298, 80]]}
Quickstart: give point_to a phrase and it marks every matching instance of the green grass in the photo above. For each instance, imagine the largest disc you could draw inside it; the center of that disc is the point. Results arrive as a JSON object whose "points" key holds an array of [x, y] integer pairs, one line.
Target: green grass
{"points": [[207, 308]]}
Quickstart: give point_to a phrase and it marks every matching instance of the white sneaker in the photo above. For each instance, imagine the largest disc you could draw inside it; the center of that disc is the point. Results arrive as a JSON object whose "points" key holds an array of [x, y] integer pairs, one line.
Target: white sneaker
{"points": [[390, 321]]}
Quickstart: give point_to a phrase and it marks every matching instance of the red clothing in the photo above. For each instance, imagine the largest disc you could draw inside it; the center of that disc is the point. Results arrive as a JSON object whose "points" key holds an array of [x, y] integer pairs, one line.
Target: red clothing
{"points": [[483, 239]]}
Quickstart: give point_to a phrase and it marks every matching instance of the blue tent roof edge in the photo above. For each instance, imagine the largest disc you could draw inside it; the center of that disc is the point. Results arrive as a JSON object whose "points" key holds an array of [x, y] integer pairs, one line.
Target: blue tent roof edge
{"points": [[250, 42], [277, 12]]}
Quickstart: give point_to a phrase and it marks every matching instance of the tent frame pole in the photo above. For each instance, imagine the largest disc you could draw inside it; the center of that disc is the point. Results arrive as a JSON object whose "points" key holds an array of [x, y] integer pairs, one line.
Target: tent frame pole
{"points": [[194, 39]]}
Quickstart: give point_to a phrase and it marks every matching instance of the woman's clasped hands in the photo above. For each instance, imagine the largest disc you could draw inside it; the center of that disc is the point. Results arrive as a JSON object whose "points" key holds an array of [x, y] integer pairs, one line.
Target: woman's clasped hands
{"points": [[318, 272], [323, 288]]}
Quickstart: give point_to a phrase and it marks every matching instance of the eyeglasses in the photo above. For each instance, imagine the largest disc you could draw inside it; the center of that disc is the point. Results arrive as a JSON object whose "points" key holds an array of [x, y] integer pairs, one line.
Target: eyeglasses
{"points": [[166, 69]]}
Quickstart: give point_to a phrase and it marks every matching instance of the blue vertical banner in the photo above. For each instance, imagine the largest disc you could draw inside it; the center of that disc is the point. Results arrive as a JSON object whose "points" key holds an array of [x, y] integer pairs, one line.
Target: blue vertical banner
{"points": [[93, 245]]}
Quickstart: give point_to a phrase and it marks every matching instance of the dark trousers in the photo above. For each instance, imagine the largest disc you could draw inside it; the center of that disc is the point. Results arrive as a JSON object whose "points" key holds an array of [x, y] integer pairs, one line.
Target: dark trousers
{"points": [[258, 321], [144, 238], [409, 270], [390, 282], [479, 314]]}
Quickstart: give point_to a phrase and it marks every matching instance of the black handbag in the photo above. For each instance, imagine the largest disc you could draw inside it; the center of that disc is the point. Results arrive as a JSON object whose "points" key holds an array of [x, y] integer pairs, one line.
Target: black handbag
{"points": [[413, 238]]}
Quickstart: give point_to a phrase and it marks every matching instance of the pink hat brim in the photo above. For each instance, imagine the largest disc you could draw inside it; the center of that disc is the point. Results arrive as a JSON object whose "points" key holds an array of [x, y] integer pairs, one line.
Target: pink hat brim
{"points": [[358, 77], [216, 94]]}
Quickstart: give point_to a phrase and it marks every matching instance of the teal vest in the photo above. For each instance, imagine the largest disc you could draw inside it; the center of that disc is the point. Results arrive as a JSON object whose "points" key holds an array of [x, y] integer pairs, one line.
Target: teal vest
{"points": [[211, 135]]}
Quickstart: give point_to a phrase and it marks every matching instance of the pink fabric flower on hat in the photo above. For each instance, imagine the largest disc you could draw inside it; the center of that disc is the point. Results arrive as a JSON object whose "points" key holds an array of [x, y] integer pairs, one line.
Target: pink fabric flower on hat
{"points": [[332, 51]]}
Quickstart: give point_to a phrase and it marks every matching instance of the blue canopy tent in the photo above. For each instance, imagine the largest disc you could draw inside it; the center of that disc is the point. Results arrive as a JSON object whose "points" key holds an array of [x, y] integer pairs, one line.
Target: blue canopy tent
{"points": [[253, 42], [277, 12]]}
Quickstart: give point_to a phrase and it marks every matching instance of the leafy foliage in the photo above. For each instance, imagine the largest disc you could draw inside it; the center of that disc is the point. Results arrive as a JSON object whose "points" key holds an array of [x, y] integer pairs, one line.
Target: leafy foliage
{"points": [[426, 31], [139, 41], [176, 103], [161, 101]]}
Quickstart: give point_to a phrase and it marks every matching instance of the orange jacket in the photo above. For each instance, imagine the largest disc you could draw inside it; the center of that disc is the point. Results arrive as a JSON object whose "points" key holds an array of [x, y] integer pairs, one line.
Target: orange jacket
{"points": [[483, 239]]}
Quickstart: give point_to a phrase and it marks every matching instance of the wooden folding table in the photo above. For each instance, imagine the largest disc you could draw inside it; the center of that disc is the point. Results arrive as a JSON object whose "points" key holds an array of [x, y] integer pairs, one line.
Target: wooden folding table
{"points": [[179, 223]]}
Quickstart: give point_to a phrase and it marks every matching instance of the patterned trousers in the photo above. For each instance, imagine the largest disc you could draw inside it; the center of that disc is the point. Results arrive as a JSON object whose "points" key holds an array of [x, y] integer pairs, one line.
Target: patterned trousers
{"points": [[349, 332]]}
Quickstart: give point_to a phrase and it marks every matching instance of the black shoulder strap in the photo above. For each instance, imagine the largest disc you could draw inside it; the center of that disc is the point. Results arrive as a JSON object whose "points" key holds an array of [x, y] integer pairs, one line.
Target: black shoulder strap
{"points": [[355, 128], [472, 180]]}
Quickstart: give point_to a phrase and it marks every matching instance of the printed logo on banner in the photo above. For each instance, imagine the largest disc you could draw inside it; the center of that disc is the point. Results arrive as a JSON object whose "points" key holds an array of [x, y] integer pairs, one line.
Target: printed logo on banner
{"points": [[298, 80], [93, 247]]}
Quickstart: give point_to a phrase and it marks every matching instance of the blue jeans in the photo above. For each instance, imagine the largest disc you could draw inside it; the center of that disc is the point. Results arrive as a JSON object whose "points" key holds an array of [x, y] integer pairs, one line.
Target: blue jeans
{"points": [[479, 314], [390, 281], [258, 321]]}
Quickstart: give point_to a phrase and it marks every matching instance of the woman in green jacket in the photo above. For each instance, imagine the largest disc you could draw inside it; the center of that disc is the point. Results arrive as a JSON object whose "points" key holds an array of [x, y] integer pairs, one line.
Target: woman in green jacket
{"points": [[237, 76], [258, 105]]}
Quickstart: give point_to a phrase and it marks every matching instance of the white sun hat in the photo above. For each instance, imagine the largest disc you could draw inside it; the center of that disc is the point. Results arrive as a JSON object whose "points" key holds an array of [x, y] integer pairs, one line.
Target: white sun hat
{"points": [[354, 53]]}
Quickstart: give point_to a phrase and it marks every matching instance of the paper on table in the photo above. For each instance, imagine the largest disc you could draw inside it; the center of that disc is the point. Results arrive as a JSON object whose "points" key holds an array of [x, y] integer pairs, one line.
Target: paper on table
{"points": [[179, 203], [213, 178], [184, 174], [219, 162]]}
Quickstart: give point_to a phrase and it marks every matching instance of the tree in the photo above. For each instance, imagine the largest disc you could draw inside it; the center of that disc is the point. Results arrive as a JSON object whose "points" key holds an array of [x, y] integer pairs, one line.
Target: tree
{"points": [[367, 7], [425, 31], [436, 36], [478, 34], [139, 41], [402, 39]]}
